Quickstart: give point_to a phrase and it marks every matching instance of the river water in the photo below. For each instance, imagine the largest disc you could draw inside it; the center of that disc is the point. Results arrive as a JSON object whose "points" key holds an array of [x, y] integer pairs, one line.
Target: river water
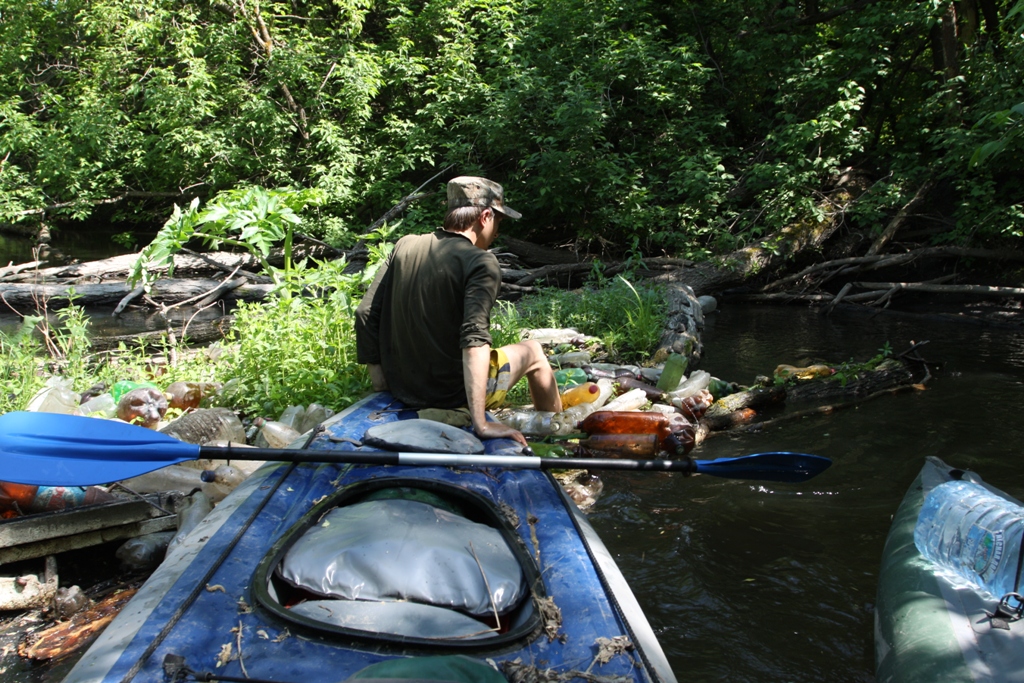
{"points": [[748, 581]]}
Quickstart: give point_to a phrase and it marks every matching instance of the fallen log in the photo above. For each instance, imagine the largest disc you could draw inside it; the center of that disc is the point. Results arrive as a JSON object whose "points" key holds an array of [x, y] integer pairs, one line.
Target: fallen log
{"points": [[55, 296], [65, 638], [889, 374], [745, 409]]}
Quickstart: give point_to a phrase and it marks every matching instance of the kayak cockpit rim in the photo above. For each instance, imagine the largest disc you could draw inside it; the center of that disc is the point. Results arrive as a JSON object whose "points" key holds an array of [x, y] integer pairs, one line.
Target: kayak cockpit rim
{"points": [[524, 623]]}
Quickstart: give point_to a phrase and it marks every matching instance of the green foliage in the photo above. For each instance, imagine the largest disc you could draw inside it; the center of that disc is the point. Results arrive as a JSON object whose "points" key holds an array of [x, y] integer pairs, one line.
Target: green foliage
{"points": [[628, 319], [251, 218], [314, 362], [689, 129]]}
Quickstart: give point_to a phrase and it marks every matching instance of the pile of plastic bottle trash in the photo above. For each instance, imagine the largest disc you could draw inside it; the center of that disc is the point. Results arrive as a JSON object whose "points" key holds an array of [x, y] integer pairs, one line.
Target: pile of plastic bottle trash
{"points": [[623, 410]]}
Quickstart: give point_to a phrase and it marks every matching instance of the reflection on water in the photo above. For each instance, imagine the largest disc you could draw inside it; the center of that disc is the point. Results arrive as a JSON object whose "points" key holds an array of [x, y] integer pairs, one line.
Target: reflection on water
{"points": [[755, 581]]}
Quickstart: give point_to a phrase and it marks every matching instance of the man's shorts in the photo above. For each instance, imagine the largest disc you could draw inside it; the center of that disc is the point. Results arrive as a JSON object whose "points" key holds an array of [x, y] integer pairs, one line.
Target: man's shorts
{"points": [[498, 378]]}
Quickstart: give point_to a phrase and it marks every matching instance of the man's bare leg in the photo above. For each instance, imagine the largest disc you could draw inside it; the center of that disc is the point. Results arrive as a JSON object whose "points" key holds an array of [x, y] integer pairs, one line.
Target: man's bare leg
{"points": [[527, 359]]}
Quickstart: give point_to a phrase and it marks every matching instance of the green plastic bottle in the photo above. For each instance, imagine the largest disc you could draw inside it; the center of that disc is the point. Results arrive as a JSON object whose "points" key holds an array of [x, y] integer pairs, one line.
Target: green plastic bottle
{"points": [[673, 374], [569, 377]]}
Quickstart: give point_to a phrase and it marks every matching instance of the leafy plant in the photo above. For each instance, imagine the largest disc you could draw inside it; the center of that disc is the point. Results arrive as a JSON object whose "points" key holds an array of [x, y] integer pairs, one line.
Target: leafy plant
{"points": [[253, 218]]}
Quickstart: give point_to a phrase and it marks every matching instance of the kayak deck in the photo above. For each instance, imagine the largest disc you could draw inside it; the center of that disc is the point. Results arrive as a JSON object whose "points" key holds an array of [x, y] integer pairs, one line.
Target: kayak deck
{"points": [[205, 604]]}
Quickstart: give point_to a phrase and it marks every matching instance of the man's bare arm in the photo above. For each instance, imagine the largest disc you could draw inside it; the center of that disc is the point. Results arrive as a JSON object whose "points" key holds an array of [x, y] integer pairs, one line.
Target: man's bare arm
{"points": [[475, 364]]}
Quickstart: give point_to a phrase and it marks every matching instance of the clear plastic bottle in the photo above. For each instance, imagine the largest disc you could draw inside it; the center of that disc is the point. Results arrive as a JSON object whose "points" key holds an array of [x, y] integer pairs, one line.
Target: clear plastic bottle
{"points": [[190, 510], [572, 359], [529, 422], [972, 532], [697, 382], [292, 416], [218, 483], [56, 397], [631, 400], [315, 414], [207, 425], [70, 601], [144, 552], [100, 406], [274, 434], [170, 478]]}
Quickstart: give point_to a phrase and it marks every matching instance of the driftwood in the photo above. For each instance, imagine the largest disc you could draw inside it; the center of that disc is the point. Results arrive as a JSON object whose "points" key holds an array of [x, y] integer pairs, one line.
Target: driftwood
{"points": [[746, 410], [194, 332], [67, 637], [766, 256], [33, 296], [901, 217]]}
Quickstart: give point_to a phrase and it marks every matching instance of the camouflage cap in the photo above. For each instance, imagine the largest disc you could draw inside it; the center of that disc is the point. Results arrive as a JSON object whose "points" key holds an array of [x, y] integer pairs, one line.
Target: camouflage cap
{"points": [[473, 191]]}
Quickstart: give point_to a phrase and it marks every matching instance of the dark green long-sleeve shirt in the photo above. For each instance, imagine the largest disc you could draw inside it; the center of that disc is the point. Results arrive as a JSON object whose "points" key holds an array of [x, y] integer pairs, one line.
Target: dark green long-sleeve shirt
{"points": [[431, 299]]}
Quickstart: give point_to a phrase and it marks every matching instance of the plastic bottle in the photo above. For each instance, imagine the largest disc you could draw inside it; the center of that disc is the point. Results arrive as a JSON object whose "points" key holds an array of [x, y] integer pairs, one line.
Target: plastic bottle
{"points": [[674, 372], [671, 433], [567, 421], [572, 359], [809, 372], [630, 383], [569, 377], [529, 422], [972, 532], [583, 393], [697, 382], [188, 395], [15, 498], [631, 445], [206, 425], [719, 388], [144, 406], [220, 482], [292, 416], [651, 375], [52, 498], [693, 406], [274, 434], [597, 371], [631, 400], [100, 406], [315, 414], [69, 601], [56, 397], [144, 552], [124, 386], [170, 478], [190, 510]]}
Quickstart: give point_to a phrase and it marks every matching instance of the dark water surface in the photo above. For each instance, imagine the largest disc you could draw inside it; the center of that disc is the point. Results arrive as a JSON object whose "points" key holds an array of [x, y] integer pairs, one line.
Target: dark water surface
{"points": [[748, 581]]}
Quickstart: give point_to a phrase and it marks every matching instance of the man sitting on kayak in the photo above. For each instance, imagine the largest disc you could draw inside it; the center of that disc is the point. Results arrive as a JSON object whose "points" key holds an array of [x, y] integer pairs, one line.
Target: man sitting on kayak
{"points": [[423, 328]]}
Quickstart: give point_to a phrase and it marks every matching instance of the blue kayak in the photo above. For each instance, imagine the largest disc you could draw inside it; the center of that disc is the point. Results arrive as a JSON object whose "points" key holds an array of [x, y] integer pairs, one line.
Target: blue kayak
{"points": [[313, 572]]}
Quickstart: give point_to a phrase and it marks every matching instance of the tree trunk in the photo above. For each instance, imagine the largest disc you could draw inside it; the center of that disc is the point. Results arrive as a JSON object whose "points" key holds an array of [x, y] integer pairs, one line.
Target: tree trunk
{"points": [[52, 297]]}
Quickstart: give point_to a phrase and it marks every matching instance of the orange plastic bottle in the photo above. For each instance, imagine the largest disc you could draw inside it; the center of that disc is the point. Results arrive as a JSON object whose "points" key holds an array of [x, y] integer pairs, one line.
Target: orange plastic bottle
{"points": [[16, 499], [631, 445], [674, 434], [583, 393]]}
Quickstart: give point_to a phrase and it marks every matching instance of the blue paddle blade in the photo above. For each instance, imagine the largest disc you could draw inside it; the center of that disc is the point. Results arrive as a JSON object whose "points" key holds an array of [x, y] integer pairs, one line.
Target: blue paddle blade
{"points": [[778, 466], [81, 451]]}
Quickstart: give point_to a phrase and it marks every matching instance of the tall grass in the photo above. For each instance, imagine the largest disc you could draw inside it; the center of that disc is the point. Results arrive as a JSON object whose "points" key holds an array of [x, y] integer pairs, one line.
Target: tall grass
{"points": [[628, 319]]}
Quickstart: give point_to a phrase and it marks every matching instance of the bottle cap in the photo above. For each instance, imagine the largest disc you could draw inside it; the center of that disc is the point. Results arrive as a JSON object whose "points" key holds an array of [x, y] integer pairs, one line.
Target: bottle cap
{"points": [[208, 476]]}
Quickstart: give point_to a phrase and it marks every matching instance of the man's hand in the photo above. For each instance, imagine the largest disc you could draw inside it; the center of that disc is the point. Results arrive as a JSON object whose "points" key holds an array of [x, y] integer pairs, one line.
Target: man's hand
{"points": [[495, 430], [377, 379]]}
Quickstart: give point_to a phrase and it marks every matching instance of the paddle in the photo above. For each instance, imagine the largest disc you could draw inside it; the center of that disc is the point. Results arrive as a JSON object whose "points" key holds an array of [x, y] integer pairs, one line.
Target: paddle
{"points": [[49, 449]]}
